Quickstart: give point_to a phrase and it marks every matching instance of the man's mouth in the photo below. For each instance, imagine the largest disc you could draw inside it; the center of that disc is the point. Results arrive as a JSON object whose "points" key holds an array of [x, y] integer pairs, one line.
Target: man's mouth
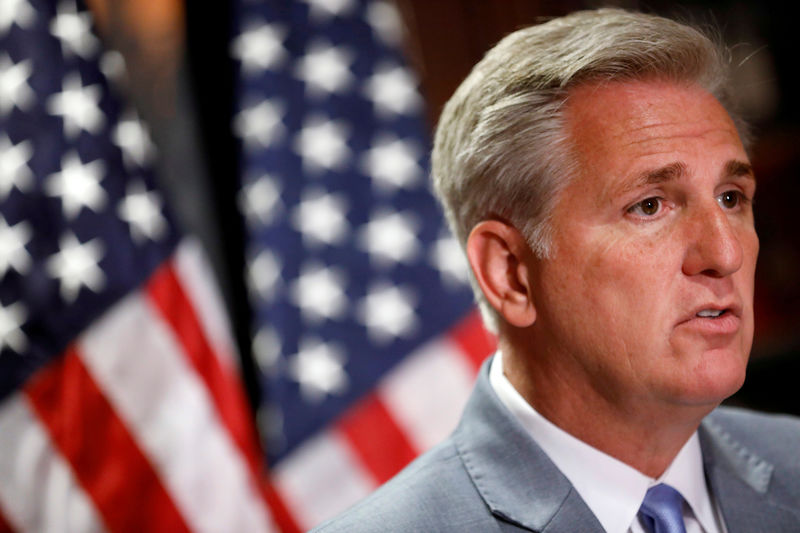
{"points": [[715, 319], [711, 313]]}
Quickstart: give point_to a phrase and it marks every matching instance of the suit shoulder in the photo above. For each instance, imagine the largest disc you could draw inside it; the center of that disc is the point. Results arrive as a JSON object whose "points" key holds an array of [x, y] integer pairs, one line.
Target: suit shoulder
{"points": [[771, 436], [419, 498], [749, 424]]}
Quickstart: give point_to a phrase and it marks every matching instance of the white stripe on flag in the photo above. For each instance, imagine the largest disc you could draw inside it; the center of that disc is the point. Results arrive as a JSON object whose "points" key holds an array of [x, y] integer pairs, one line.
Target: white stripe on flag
{"points": [[171, 415], [192, 267], [38, 491], [321, 479], [426, 393]]}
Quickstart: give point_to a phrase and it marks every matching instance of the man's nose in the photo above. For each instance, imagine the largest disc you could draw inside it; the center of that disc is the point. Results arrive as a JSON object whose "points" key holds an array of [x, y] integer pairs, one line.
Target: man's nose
{"points": [[714, 246]]}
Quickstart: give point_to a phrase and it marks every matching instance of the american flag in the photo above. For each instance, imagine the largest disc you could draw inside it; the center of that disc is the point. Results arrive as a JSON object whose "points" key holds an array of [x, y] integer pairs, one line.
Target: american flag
{"points": [[364, 328], [120, 405]]}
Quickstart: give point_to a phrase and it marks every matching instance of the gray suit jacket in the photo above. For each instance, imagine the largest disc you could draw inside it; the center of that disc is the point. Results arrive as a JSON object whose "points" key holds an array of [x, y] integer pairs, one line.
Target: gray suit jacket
{"points": [[489, 475]]}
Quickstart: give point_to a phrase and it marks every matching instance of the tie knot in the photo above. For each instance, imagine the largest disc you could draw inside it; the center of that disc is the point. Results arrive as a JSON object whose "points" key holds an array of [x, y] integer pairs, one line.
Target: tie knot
{"points": [[662, 509]]}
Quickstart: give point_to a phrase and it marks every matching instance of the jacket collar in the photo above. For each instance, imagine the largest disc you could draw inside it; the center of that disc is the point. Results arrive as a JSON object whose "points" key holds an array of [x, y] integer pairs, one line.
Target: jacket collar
{"points": [[514, 476], [520, 484], [741, 484]]}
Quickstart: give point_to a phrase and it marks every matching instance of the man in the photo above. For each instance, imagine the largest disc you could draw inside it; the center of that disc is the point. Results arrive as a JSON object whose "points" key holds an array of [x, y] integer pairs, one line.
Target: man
{"points": [[596, 177]]}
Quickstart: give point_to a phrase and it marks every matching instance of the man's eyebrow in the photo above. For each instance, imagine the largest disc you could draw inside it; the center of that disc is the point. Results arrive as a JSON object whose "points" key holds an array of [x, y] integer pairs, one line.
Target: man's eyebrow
{"points": [[736, 169], [663, 174], [733, 169]]}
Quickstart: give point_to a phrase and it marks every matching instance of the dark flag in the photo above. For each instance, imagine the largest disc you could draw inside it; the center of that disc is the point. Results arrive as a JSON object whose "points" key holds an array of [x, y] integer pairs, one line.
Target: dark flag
{"points": [[365, 333], [120, 404]]}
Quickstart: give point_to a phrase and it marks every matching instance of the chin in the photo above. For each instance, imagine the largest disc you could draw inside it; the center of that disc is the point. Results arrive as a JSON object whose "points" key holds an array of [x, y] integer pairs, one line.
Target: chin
{"points": [[718, 375]]}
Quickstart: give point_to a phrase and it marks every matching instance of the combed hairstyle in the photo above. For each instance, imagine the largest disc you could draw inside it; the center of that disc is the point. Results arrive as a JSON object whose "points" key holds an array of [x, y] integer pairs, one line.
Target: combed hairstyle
{"points": [[501, 150]]}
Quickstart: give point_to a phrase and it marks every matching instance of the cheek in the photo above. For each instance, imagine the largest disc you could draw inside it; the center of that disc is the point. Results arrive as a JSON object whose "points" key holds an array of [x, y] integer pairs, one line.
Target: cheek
{"points": [[630, 270], [751, 248], [630, 289], [610, 288], [606, 285]]}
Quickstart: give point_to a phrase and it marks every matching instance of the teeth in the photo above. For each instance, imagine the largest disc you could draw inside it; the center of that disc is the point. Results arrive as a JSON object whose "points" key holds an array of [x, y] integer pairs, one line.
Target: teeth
{"points": [[710, 313]]}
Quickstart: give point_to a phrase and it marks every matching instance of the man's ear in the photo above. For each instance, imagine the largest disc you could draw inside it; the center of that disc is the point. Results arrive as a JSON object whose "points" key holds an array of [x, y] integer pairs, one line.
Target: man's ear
{"points": [[497, 253]]}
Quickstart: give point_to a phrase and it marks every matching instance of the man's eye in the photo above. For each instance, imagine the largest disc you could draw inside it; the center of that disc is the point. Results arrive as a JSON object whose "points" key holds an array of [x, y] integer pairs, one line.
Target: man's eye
{"points": [[729, 199], [647, 207]]}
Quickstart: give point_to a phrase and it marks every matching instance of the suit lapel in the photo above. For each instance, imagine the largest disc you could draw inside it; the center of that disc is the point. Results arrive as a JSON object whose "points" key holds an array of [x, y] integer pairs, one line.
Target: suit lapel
{"points": [[524, 489], [514, 476], [746, 510], [740, 482]]}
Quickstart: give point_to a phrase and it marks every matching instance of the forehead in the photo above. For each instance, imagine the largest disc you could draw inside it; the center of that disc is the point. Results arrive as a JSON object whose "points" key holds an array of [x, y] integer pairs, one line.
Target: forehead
{"points": [[624, 127], [633, 111]]}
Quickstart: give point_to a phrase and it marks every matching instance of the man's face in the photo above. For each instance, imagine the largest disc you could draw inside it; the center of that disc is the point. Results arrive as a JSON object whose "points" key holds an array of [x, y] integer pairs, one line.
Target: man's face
{"points": [[648, 293]]}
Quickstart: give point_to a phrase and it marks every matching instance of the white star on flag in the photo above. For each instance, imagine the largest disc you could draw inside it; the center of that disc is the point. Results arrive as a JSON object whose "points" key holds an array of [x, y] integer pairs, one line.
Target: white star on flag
{"points": [[78, 185], [393, 90], [321, 217], [259, 201], [318, 368], [388, 312], [325, 69], [386, 22], [112, 65], [12, 317], [14, 88], [325, 9], [447, 257], [131, 136], [260, 47], [319, 292], [141, 209], [260, 125], [14, 171], [17, 12], [74, 30], [322, 144], [12, 247], [390, 237], [264, 273], [76, 266], [267, 348], [78, 105], [393, 163]]}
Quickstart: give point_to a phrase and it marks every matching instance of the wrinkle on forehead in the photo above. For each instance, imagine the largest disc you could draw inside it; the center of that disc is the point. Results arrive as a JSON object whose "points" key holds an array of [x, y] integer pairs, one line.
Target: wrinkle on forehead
{"points": [[690, 131]]}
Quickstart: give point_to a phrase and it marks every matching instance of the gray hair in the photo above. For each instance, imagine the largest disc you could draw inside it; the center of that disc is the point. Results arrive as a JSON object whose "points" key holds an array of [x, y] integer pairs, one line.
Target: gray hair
{"points": [[501, 150]]}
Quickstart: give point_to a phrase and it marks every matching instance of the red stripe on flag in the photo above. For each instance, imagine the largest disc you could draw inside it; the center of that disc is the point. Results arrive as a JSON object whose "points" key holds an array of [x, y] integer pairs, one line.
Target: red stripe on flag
{"points": [[5, 527], [377, 439], [104, 456], [227, 392], [473, 339], [280, 513], [165, 290]]}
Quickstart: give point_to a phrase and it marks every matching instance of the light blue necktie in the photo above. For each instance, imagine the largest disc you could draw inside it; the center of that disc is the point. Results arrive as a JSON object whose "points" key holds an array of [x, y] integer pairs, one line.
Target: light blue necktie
{"points": [[661, 510]]}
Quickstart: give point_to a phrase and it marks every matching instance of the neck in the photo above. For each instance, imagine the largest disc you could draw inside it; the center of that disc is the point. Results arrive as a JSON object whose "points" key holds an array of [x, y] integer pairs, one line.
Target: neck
{"points": [[645, 434]]}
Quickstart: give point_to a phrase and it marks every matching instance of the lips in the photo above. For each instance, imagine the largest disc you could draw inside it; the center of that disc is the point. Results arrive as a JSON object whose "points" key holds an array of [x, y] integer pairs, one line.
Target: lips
{"points": [[713, 318]]}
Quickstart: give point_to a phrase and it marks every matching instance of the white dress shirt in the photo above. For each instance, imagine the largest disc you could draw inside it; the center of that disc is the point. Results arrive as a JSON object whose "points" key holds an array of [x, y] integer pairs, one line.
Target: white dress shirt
{"points": [[613, 490]]}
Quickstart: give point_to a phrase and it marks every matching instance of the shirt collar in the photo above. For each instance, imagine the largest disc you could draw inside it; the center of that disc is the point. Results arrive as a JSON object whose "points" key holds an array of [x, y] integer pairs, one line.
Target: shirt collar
{"points": [[687, 476], [611, 489]]}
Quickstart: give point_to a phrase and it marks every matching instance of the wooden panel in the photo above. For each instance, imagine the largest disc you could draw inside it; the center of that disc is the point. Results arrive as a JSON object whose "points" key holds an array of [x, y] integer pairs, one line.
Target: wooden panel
{"points": [[447, 37]]}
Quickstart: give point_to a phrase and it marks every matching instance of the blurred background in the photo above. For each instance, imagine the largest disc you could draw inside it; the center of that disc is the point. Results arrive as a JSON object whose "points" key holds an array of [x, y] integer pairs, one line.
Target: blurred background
{"points": [[183, 78], [292, 139]]}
